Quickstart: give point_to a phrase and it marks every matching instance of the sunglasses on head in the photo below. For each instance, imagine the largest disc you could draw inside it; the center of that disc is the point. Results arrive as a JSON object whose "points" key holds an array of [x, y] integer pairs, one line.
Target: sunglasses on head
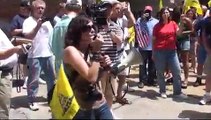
{"points": [[166, 12], [88, 28]]}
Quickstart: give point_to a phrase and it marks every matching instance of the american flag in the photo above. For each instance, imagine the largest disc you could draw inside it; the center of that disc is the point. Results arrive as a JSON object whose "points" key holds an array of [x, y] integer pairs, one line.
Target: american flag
{"points": [[142, 34]]}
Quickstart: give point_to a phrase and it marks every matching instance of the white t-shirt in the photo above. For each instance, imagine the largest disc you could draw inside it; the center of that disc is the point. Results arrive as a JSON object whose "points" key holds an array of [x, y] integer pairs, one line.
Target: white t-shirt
{"points": [[5, 44], [40, 46], [123, 23]]}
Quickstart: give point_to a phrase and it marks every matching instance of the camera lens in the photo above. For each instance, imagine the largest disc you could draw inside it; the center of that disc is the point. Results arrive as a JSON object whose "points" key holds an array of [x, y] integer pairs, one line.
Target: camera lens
{"points": [[93, 94]]}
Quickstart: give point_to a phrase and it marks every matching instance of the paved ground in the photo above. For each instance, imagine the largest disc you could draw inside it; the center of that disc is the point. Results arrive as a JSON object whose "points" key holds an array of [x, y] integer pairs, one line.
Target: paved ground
{"points": [[146, 103]]}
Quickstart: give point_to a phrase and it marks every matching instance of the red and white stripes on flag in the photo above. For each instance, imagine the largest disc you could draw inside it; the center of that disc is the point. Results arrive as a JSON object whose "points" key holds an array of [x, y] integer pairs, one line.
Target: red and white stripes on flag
{"points": [[142, 34]]}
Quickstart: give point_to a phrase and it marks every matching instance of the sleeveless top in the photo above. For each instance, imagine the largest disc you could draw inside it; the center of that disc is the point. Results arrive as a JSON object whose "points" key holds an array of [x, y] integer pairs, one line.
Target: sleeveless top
{"points": [[80, 88], [184, 36]]}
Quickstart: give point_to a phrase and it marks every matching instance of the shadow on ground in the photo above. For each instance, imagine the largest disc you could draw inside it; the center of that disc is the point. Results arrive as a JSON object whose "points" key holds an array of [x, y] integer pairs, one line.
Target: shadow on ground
{"points": [[153, 94], [192, 99], [21, 101], [194, 114], [150, 94]]}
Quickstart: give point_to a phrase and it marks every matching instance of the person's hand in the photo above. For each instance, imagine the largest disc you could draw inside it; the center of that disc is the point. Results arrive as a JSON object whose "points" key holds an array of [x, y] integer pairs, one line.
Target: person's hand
{"points": [[39, 22], [97, 43], [184, 18], [126, 7], [18, 49], [105, 61]]}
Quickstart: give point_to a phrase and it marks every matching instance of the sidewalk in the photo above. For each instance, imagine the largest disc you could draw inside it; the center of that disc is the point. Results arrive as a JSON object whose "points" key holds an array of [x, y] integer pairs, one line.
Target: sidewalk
{"points": [[146, 103]]}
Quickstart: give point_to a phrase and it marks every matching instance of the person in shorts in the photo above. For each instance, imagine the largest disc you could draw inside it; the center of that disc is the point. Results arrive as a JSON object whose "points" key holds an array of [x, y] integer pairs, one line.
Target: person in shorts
{"points": [[206, 37]]}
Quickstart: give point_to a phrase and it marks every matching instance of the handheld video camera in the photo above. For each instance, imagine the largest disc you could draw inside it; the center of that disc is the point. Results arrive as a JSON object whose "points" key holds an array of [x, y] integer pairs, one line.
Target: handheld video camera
{"points": [[44, 19], [25, 48], [98, 12]]}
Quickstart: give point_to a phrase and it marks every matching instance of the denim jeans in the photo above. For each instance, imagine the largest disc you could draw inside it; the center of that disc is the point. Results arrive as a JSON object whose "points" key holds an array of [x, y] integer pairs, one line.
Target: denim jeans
{"points": [[100, 113], [147, 73], [201, 54], [164, 59], [36, 65]]}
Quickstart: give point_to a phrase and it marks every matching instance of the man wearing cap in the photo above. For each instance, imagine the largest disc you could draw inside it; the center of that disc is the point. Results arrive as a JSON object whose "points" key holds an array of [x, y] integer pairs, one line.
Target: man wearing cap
{"points": [[17, 21], [147, 74], [40, 57], [72, 9], [16, 26]]}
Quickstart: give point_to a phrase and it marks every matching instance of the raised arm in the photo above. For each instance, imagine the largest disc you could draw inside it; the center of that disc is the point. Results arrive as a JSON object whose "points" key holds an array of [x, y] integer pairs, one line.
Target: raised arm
{"points": [[75, 59]]}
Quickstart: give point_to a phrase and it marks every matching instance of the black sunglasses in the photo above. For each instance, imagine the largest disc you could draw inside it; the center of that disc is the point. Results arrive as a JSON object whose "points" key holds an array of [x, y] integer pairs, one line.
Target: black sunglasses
{"points": [[87, 28]]}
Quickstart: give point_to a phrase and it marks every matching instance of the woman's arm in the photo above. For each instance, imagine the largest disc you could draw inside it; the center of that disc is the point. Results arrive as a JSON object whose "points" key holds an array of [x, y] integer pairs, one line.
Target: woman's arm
{"points": [[74, 58], [187, 21]]}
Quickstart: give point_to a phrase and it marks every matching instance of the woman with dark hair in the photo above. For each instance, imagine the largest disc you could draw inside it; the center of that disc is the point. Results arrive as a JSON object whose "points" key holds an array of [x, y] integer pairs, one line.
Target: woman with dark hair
{"points": [[82, 68], [176, 13], [184, 45], [165, 53]]}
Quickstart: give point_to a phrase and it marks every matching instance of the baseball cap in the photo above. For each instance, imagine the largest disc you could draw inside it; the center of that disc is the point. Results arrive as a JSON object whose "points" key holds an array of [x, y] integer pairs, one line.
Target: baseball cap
{"points": [[111, 1], [74, 2], [148, 8], [25, 3]]}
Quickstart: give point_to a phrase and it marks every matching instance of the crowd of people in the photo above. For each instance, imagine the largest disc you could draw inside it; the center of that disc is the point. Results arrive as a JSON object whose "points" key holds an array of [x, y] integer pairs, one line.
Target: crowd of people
{"points": [[88, 45]]}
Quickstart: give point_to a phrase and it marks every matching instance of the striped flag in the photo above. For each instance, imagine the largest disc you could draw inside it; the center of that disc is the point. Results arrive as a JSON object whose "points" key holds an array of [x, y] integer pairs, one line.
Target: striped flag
{"points": [[142, 34]]}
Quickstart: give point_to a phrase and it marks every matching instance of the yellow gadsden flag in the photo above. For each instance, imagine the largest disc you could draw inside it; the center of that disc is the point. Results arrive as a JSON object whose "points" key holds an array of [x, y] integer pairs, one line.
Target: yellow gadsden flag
{"points": [[131, 32], [209, 3], [193, 3], [98, 1], [63, 104]]}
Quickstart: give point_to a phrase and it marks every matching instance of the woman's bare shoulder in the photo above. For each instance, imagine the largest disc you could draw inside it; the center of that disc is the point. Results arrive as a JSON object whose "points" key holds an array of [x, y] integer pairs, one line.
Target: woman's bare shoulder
{"points": [[70, 52]]}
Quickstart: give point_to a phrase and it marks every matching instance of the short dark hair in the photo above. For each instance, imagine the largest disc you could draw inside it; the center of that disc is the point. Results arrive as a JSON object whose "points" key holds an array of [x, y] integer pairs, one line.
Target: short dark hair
{"points": [[73, 7], [74, 31], [176, 14]]}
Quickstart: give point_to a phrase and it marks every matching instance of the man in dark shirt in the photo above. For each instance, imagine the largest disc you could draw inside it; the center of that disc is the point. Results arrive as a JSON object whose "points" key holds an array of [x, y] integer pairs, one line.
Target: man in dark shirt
{"points": [[16, 30], [206, 39], [17, 21], [201, 53]]}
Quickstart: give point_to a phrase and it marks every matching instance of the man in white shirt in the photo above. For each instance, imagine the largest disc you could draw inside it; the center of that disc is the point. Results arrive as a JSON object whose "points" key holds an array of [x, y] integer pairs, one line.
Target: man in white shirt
{"points": [[39, 55], [8, 59]]}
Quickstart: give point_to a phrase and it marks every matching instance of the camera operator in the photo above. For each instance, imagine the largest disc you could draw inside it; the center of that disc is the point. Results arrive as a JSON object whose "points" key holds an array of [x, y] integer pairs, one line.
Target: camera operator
{"points": [[40, 58], [5, 85], [82, 69], [113, 37]]}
